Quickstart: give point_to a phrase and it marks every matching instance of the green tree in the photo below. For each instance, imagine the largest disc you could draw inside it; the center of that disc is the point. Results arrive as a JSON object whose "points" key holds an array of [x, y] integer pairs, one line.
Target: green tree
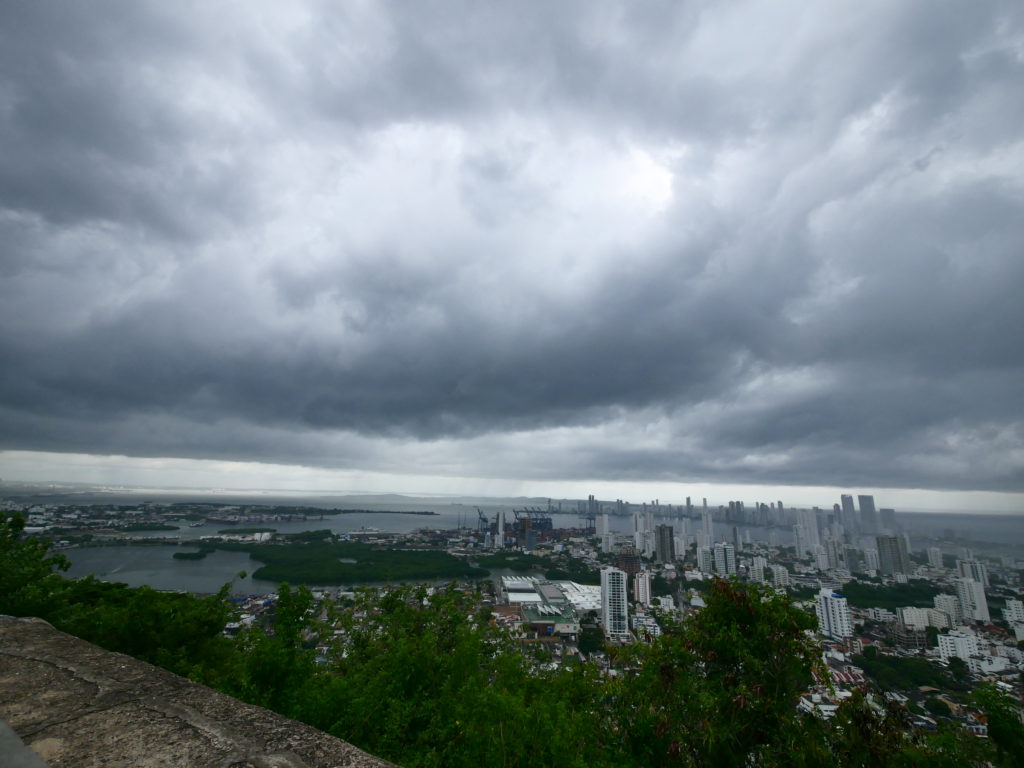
{"points": [[1005, 730], [937, 707], [958, 667], [277, 664], [720, 689], [28, 570]]}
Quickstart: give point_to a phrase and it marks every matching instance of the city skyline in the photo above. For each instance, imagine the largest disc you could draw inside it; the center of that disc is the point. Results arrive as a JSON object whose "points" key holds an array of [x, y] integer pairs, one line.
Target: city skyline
{"points": [[760, 251]]}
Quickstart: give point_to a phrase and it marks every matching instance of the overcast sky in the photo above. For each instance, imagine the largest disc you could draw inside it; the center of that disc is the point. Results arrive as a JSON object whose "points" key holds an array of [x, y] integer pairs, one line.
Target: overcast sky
{"points": [[453, 245]]}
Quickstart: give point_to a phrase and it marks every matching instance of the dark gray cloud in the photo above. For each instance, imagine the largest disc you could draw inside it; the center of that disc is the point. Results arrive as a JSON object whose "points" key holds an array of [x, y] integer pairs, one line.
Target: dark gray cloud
{"points": [[756, 243]]}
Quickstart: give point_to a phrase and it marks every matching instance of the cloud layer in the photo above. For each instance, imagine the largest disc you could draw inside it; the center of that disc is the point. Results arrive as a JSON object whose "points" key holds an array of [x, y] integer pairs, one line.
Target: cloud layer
{"points": [[762, 242]]}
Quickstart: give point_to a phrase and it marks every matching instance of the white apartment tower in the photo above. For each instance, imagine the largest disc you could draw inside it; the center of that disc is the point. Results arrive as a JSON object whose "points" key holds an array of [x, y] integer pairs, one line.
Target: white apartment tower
{"points": [[973, 569], [972, 600], [959, 643], [705, 560], [950, 605], [642, 588], [725, 559], [614, 605], [833, 615]]}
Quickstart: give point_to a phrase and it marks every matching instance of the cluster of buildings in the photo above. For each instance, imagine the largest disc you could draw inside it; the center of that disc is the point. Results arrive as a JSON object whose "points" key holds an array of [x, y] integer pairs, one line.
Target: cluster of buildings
{"points": [[661, 557]]}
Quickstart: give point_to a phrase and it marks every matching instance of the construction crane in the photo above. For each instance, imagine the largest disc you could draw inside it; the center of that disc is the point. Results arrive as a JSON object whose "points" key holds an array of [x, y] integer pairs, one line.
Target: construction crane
{"points": [[482, 523], [539, 519]]}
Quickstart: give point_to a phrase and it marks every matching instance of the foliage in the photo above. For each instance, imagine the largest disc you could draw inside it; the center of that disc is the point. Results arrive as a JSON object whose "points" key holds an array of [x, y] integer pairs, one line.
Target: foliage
{"points": [[1005, 730], [579, 573], [591, 640], [720, 689], [516, 561], [26, 569], [898, 673], [917, 592], [937, 707], [179, 632], [662, 587], [427, 681]]}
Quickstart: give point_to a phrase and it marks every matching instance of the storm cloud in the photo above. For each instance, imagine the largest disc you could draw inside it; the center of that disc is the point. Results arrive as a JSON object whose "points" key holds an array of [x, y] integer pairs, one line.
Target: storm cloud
{"points": [[758, 242]]}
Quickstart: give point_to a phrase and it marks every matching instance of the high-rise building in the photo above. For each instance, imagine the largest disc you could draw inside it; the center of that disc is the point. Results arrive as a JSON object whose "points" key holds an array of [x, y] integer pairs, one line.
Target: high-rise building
{"points": [[757, 569], [780, 576], [614, 606], [642, 588], [887, 519], [852, 558], [807, 519], [871, 561], [868, 515], [725, 559], [834, 551], [665, 544], [499, 534], [799, 541], [892, 555], [834, 619], [935, 557], [973, 569], [959, 643], [950, 605], [602, 524], [705, 560], [849, 512], [707, 527], [629, 560], [1014, 611], [971, 594]]}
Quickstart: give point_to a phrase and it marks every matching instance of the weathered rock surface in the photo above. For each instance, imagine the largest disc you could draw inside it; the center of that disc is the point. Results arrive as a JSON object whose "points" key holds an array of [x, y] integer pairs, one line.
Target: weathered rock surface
{"points": [[78, 706]]}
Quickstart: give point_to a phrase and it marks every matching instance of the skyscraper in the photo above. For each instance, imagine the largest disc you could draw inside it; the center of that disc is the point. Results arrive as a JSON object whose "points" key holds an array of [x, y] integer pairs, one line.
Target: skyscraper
{"points": [[950, 605], [799, 542], [705, 560], [757, 569], [887, 519], [834, 550], [499, 534], [892, 555], [642, 588], [973, 569], [614, 606], [868, 516], [725, 559], [935, 557], [707, 529], [808, 520], [834, 619], [849, 513], [973, 604], [665, 544]]}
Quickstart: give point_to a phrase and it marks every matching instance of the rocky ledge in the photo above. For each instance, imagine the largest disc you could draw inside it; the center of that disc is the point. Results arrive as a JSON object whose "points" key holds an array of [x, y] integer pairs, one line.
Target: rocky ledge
{"points": [[78, 706]]}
